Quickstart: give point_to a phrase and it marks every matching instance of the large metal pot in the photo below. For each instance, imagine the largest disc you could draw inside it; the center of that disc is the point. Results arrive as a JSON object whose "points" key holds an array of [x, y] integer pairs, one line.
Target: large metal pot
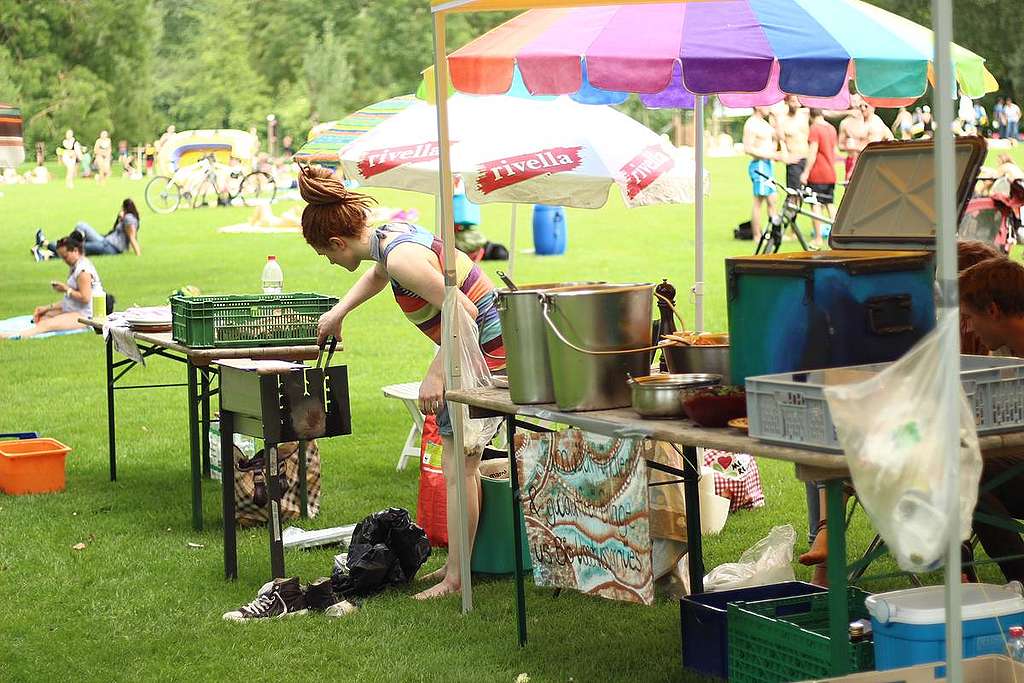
{"points": [[597, 336], [713, 359], [526, 348], [662, 396]]}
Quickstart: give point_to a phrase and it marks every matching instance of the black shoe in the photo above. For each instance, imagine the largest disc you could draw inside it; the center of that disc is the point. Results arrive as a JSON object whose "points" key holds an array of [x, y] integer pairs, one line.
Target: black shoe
{"points": [[320, 597], [40, 237], [279, 598]]}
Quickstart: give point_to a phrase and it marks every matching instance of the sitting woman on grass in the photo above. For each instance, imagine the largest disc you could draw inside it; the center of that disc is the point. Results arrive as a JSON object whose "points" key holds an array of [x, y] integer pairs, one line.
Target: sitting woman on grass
{"points": [[78, 291], [124, 235]]}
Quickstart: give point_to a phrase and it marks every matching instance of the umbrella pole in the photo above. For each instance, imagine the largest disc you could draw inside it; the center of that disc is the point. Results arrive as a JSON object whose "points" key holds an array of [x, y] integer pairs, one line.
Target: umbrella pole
{"points": [[449, 332], [946, 274], [698, 208], [512, 245]]}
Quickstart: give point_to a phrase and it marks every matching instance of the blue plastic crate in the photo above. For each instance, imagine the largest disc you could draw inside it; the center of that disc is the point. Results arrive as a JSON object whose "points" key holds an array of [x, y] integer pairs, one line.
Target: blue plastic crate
{"points": [[704, 622]]}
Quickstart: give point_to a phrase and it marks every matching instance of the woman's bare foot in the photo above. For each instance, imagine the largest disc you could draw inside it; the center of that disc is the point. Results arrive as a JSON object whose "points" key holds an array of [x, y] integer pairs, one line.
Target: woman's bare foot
{"points": [[441, 589], [436, 575], [818, 552]]}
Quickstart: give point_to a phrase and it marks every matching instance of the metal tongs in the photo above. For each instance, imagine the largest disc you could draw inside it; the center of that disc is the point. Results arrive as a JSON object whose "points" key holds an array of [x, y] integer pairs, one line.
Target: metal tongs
{"points": [[331, 342]]}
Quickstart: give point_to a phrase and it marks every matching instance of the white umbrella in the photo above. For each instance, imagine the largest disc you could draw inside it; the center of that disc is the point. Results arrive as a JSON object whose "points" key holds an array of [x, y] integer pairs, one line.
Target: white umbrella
{"points": [[509, 149]]}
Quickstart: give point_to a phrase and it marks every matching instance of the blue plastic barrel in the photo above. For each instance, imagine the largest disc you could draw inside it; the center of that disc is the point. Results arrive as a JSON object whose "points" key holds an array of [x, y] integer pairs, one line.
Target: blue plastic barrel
{"points": [[550, 232]]}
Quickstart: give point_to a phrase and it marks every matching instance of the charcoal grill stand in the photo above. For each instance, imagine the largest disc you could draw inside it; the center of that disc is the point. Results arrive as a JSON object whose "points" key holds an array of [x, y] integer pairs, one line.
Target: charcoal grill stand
{"points": [[253, 402], [200, 379]]}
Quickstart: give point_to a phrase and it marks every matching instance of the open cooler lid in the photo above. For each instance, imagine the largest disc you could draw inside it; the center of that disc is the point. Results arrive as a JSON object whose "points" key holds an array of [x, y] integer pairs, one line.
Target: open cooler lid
{"points": [[926, 606], [890, 201]]}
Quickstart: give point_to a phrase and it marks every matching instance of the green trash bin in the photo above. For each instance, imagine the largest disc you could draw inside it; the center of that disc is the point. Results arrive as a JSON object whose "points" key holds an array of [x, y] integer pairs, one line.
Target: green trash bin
{"points": [[493, 549]]}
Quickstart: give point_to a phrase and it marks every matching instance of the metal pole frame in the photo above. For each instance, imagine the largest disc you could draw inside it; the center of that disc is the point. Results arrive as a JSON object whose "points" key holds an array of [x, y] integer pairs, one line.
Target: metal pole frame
{"points": [[698, 210], [946, 276], [449, 332]]}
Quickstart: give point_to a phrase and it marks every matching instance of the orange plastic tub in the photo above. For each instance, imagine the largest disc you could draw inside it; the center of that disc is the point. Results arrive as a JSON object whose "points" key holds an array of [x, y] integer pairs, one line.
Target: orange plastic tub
{"points": [[32, 466]]}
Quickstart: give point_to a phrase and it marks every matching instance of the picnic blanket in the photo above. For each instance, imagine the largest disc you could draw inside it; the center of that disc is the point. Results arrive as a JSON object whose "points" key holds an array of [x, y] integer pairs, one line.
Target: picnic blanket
{"points": [[21, 322]]}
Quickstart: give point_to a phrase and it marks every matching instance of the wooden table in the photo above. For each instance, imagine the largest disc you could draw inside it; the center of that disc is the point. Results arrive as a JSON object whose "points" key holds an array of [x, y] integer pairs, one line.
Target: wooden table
{"points": [[200, 375], [810, 466]]}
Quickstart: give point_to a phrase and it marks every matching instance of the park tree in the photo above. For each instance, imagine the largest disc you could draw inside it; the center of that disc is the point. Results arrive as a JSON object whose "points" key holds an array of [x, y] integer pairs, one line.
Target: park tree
{"points": [[78, 65]]}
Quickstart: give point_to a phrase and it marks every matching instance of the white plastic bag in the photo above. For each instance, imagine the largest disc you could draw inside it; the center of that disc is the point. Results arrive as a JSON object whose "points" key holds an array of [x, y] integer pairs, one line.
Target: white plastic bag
{"points": [[889, 427], [770, 560], [475, 374]]}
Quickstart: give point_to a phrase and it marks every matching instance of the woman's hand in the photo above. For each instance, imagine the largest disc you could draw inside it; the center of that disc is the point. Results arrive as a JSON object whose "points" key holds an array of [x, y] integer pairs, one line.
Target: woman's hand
{"points": [[59, 287], [432, 393], [39, 312], [329, 325]]}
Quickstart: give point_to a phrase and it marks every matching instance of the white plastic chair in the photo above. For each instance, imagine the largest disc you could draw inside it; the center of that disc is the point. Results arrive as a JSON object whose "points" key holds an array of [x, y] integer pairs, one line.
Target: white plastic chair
{"points": [[408, 394]]}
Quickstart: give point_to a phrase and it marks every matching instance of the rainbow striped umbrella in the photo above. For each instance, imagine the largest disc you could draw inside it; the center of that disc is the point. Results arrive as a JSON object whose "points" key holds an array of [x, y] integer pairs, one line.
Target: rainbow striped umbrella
{"points": [[327, 139], [752, 51]]}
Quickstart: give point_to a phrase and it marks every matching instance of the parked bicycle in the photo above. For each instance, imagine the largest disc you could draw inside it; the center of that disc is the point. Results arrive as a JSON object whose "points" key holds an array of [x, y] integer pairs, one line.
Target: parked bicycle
{"points": [[771, 239], [209, 183]]}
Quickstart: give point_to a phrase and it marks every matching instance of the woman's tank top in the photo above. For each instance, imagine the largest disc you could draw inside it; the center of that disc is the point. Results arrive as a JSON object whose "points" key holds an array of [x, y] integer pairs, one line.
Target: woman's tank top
{"points": [[472, 282]]}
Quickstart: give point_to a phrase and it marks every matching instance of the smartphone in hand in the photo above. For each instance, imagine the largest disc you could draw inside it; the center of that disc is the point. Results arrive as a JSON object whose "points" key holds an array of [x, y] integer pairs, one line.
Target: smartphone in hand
{"points": [[56, 285]]}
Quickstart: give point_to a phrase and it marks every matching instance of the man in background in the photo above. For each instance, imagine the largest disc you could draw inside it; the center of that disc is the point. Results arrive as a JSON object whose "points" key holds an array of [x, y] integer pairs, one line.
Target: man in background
{"points": [[992, 307], [792, 127], [1011, 112], [858, 129], [761, 144], [820, 174]]}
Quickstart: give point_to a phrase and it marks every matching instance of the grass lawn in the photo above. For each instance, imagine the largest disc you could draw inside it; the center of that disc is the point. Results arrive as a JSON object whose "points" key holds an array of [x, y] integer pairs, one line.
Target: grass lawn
{"points": [[139, 604]]}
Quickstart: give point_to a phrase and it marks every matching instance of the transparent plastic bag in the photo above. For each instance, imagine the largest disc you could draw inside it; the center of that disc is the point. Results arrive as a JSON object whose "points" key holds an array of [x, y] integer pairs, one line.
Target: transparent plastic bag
{"points": [[475, 374], [890, 428], [770, 560]]}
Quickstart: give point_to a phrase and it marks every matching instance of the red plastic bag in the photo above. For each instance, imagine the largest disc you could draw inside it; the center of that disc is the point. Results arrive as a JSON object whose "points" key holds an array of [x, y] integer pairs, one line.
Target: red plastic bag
{"points": [[432, 505]]}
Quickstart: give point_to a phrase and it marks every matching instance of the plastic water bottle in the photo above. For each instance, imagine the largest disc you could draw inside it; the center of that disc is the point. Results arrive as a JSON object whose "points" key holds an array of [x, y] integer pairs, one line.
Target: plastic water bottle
{"points": [[1015, 643], [273, 278]]}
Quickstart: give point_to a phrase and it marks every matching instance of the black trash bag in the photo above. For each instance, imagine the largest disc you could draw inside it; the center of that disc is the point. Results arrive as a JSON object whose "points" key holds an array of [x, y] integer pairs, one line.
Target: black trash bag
{"points": [[386, 549], [495, 252]]}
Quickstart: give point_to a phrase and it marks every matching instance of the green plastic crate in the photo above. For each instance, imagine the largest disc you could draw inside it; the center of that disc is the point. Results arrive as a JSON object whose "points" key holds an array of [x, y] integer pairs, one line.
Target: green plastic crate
{"points": [[772, 641], [206, 322]]}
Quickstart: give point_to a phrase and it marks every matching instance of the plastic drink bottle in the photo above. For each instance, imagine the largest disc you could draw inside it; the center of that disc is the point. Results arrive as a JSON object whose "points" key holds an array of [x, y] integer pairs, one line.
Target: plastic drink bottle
{"points": [[1015, 643], [99, 303], [273, 278]]}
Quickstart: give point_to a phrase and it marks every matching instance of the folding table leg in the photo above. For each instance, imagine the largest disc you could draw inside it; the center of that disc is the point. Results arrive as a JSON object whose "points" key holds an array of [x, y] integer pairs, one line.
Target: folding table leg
{"points": [[111, 429], [193, 445], [838, 605], [227, 474], [517, 537], [205, 431], [274, 516], [694, 543]]}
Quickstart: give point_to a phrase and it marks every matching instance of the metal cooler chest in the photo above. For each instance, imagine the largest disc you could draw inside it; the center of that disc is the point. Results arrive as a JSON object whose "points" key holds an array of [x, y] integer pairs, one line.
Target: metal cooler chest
{"points": [[871, 297]]}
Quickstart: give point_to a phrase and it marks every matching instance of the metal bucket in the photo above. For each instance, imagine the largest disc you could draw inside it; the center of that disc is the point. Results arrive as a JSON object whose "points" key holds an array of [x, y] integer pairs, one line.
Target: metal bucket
{"points": [[597, 336], [712, 359], [526, 347]]}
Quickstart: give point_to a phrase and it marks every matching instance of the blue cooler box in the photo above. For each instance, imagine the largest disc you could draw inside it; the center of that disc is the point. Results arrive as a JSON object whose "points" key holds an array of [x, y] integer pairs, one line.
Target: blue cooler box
{"points": [[868, 299], [910, 625]]}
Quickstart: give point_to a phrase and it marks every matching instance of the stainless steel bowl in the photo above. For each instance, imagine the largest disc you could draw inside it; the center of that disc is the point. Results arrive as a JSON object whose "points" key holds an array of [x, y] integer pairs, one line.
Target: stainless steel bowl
{"points": [[712, 359], [661, 396]]}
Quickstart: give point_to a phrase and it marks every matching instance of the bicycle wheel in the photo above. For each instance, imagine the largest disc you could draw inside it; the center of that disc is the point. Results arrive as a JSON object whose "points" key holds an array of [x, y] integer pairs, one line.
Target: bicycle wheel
{"points": [[162, 194], [205, 195], [257, 187]]}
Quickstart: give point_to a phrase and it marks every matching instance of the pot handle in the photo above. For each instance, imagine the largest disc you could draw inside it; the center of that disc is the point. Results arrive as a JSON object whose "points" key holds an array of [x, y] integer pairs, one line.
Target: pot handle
{"points": [[546, 303]]}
